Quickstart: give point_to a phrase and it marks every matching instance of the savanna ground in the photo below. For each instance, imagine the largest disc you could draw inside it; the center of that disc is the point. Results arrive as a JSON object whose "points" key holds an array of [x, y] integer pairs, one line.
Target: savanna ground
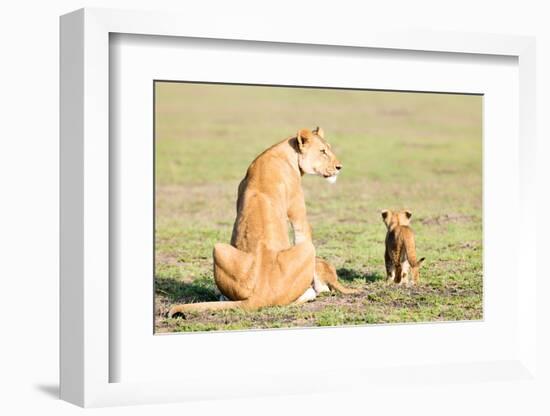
{"points": [[399, 150]]}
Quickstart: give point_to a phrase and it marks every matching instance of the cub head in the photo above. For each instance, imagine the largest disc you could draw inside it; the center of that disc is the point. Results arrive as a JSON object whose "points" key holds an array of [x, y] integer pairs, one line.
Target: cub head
{"points": [[395, 218], [315, 156]]}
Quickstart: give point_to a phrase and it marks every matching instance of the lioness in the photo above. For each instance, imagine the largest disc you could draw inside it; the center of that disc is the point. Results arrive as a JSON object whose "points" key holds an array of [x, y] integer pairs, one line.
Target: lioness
{"points": [[260, 267], [400, 254]]}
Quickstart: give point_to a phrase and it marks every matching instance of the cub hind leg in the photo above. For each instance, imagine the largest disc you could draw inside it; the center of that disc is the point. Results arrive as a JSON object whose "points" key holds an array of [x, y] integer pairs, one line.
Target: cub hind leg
{"points": [[390, 268], [326, 274], [405, 273], [322, 276]]}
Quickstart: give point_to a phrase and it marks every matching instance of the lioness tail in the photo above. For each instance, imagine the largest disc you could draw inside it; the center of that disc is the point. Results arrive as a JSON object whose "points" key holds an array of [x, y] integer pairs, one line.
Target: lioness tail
{"points": [[205, 306]]}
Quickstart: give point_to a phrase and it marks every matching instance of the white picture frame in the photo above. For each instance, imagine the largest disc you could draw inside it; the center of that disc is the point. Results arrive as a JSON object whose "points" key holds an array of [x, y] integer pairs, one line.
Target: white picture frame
{"points": [[87, 356]]}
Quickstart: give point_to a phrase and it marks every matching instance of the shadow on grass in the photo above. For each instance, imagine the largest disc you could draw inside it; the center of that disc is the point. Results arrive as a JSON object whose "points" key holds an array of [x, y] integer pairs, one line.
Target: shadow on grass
{"points": [[350, 275], [201, 289]]}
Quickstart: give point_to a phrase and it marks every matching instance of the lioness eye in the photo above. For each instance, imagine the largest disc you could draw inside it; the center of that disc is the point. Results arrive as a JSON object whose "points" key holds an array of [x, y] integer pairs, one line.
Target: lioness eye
{"points": [[324, 151]]}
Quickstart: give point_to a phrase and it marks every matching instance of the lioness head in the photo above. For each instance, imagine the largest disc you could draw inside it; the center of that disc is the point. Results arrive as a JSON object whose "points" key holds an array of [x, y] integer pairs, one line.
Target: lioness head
{"points": [[315, 156]]}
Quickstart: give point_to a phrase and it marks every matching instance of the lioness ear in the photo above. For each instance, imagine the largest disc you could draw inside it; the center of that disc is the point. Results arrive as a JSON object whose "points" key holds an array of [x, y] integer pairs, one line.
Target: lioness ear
{"points": [[408, 214], [319, 132], [303, 137]]}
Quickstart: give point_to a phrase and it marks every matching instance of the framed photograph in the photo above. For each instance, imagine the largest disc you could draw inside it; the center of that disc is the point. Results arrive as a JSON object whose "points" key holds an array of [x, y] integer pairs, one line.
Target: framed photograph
{"points": [[286, 213]]}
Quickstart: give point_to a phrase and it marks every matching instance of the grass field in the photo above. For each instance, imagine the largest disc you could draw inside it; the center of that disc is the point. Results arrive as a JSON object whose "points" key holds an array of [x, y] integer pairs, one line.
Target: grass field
{"points": [[399, 150]]}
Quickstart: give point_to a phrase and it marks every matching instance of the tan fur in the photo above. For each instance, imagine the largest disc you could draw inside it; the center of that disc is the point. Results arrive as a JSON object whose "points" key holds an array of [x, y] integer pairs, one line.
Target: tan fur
{"points": [[327, 274], [400, 254], [260, 267]]}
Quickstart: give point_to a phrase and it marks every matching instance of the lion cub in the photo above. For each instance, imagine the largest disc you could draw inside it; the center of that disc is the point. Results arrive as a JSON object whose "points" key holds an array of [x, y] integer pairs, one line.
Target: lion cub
{"points": [[400, 255]]}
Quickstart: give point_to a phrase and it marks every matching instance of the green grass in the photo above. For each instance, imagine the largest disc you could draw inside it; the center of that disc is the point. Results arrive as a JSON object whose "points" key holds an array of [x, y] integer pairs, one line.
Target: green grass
{"points": [[399, 150]]}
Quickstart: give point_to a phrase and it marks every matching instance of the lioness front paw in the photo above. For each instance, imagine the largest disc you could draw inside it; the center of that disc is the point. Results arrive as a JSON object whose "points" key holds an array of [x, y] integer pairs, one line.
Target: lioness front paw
{"points": [[307, 296]]}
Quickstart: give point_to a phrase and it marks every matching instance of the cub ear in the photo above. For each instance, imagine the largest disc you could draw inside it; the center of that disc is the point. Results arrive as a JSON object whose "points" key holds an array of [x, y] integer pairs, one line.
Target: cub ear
{"points": [[405, 217], [421, 260], [386, 215], [319, 132], [303, 137]]}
